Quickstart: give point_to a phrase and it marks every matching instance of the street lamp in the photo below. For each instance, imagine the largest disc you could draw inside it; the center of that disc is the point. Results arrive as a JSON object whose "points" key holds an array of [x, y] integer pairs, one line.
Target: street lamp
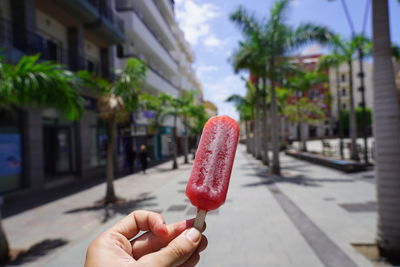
{"points": [[361, 74]]}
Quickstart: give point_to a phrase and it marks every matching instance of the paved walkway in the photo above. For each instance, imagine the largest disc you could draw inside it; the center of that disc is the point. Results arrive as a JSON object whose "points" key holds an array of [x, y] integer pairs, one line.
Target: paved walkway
{"points": [[308, 218]]}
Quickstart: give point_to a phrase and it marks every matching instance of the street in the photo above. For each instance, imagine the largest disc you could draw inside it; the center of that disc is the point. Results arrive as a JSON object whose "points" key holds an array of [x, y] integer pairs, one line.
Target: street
{"points": [[308, 217]]}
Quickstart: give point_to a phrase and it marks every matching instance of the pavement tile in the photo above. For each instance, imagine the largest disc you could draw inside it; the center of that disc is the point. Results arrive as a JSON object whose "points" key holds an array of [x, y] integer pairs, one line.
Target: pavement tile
{"points": [[251, 229]]}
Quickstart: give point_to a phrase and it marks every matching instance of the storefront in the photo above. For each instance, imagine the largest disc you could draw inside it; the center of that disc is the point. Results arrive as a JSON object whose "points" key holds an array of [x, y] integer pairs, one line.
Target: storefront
{"points": [[10, 150], [59, 139]]}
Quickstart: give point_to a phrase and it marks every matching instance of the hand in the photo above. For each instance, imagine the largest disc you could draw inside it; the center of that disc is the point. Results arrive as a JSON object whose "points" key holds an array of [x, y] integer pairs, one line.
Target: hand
{"points": [[176, 244]]}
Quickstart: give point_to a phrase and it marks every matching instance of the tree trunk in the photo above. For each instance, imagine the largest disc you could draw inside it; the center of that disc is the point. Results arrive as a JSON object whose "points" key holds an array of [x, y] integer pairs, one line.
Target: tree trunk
{"points": [[299, 135], [299, 130], [258, 123], [186, 142], [175, 146], [387, 131], [339, 109], [303, 141], [4, 247], [247, 129], [197, 145], [264, 119], [110, 193], [276, 168], [352, 117], [252, 142]]}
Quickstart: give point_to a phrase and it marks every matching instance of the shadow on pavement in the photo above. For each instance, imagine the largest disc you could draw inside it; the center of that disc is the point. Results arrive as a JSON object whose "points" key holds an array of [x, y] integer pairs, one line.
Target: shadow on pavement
{"points": [[300, 180], [123, 207], [20, 204], [38, 250]]}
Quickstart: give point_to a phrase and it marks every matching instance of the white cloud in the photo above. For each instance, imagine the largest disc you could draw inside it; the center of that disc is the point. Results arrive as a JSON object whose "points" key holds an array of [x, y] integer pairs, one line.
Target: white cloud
{"points": [[212, 41], [219, 90], [204, 70], [194, 19], [313, 49], [296, 3]]}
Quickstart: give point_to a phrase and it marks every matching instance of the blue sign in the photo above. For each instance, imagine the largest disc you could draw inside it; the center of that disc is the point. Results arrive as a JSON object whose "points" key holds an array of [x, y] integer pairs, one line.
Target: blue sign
{"points": [[10, 154], [149, 114]]}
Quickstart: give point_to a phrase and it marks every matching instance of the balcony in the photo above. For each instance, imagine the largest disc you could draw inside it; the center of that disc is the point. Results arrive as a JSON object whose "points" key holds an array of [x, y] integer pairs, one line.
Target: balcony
{"points": [[167, 9], [145, 39], [155, 19], [12, 36], [158, 82], [97, 15]]}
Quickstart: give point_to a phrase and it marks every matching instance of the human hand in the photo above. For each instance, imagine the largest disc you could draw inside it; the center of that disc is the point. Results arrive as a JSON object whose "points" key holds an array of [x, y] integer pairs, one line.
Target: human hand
{"points": [[163, 245]]}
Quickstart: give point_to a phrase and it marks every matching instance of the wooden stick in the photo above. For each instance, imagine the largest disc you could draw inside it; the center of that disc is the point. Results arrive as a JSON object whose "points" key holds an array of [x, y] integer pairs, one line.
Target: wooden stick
{"points": [[200, 218]]}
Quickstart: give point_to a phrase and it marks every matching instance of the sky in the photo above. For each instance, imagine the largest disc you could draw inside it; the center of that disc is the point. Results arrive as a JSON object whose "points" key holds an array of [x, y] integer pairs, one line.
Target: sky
{"points": [[214, 38]]}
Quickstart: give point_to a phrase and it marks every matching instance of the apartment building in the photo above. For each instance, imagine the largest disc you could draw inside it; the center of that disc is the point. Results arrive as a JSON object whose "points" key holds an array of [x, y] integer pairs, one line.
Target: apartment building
{"points": [[153, 36], [45, 149], [339, 84], [317, 93]]}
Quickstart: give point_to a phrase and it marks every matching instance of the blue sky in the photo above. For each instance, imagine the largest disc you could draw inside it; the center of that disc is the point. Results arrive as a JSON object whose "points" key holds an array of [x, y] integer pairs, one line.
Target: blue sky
{"points": [[213, 37]]}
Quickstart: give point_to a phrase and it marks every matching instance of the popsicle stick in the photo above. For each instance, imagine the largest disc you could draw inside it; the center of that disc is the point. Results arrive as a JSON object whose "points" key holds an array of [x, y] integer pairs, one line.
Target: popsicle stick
{"points": [[200, 218]]}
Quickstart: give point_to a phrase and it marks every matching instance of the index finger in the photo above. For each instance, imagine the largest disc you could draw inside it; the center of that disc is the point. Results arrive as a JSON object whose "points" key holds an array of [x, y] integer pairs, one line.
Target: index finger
{"points": [[140, 220]]}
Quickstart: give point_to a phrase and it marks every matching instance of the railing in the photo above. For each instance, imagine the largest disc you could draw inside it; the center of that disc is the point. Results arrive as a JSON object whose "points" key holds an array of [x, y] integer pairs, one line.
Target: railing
{"points": [[162, 77], [30, 42], [90, 65], [105, 9], [124, 5], [121, 55], [12, 35]]}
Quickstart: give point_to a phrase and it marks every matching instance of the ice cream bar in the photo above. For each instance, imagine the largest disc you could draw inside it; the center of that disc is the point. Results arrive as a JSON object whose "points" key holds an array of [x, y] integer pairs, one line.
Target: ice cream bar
{"points": [[208, 183]]}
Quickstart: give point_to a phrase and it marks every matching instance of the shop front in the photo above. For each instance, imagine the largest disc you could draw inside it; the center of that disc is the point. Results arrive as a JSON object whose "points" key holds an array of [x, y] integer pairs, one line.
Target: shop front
{"points": [[10, 150]]}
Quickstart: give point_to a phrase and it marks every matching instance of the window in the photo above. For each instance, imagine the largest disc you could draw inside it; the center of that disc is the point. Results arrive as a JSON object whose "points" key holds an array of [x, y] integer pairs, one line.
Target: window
{"points": [[98, 142], [344, 106], [343, 92], [343, 77]]}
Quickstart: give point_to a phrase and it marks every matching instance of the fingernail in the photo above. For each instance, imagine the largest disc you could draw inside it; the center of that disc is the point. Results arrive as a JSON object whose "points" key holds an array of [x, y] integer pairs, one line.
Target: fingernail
{"points": [[193, 235]]}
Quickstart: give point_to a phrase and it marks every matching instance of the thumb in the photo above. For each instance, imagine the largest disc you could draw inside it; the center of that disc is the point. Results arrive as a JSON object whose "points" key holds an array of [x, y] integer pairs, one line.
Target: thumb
{"points": [[178, 250]]}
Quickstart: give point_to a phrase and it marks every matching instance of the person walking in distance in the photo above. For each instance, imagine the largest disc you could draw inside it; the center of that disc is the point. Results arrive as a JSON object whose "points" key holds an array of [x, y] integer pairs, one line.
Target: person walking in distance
{"points": [[143, 158], [131, 158]]}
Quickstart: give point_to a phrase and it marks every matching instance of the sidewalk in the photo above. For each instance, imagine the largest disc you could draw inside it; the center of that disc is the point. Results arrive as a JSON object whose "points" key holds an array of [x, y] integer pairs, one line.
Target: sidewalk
{"points": [[58, 225], [308, 218]]}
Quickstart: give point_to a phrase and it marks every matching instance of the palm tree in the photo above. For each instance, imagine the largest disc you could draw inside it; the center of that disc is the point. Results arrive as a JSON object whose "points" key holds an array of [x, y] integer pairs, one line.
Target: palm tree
{"points": [[387, 131], [277, 40], [116, 102], [187, 104], [198, 117], [38, 84], [172, 107], [300, 83], [344, 52], [250, 56], [325, 62], [244, 107]]}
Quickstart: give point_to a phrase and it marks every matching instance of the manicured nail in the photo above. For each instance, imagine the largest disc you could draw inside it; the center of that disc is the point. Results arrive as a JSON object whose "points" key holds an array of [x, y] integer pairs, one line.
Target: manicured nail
{"points": [[193, 235]]}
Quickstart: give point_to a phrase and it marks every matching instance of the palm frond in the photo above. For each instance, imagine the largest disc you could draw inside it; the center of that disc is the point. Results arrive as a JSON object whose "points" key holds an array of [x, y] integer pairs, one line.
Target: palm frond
{"points": [[247, 22], [40, 84]]}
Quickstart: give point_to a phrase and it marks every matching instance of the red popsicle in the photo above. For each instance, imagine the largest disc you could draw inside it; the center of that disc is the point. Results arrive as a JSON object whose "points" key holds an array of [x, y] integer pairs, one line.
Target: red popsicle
{"points": [[208, 183]]}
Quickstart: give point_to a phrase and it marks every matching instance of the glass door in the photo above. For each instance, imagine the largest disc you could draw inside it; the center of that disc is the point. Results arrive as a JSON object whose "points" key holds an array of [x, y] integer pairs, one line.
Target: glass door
{"points": [[57, 150]]}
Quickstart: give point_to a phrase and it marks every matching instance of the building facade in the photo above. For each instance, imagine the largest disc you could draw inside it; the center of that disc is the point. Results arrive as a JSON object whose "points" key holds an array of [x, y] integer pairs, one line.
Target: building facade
{"points": [[319, 93], [153, 36], [339, 84], [39, 148]]}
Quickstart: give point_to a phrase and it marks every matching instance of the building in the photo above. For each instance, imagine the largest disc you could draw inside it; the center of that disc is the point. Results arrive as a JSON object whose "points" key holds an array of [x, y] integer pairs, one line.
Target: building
{"points": [[153, 36], [344, 88], [48, 150], [317, 93], [210, 108]]}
